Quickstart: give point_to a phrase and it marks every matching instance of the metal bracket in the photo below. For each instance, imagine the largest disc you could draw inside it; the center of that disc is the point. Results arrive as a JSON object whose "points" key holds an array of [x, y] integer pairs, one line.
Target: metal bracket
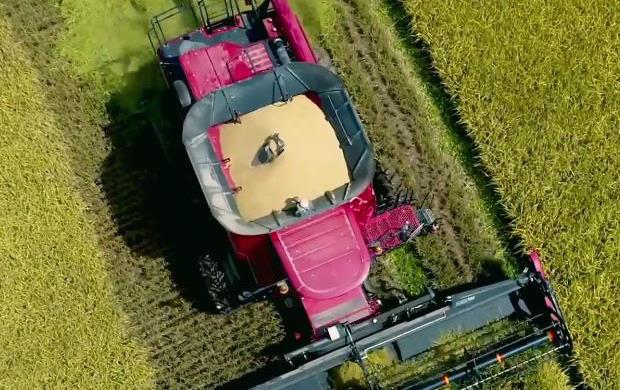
{"points": [[361, 360], [282, 86]]}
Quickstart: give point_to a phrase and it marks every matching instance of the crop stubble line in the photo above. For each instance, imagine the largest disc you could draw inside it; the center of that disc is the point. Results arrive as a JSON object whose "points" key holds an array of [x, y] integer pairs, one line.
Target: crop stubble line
{"points": [[406, 137], [170, 328]]}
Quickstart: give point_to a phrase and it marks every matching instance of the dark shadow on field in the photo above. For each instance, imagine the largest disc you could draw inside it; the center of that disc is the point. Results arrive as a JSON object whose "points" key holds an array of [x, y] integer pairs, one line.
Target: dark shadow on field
{"points": [[254, 378], [420, 53], [158, 210], [156, 201]]}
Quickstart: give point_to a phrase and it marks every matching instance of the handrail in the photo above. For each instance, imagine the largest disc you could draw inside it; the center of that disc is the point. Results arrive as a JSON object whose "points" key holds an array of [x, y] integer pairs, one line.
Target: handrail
{"points": [[203, 14], [156, 32], [230, 13]]}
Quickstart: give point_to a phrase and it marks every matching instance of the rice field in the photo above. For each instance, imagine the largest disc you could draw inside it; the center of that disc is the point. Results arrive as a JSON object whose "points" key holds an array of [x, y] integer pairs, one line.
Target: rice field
{"points": [[536, 83], [92, 73], [148, 248], [59, 324]]}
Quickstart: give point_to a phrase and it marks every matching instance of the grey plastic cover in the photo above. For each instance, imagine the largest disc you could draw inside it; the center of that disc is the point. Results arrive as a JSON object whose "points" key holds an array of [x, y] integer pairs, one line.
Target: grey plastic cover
{"points": [[278, 85]]}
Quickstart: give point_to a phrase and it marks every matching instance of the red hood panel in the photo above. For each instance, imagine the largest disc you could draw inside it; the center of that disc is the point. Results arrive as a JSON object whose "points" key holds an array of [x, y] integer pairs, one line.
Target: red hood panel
{"points": [[210, 68], [324, 256]]}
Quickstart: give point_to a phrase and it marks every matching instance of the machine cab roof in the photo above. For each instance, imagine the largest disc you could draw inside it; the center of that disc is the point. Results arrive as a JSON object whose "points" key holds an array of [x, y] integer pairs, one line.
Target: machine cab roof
{"points": [[281, 146]]}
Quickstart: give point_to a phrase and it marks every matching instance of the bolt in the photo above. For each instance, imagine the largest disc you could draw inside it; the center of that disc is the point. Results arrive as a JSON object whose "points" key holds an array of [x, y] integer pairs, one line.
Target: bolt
{"points": [[283, 288]]}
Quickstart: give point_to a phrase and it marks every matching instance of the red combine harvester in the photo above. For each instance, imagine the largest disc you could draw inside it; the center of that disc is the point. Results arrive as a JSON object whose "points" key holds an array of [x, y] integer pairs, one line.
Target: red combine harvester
{"points": [[287, 169]]}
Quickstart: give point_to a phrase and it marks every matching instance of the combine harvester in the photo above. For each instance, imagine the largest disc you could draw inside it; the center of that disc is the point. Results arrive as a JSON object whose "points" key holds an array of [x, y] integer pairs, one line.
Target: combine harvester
{"points": [[287, 169]]}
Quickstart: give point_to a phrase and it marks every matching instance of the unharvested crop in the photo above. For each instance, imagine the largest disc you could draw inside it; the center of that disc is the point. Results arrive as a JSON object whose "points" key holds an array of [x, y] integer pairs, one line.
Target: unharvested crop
{"points": [[537, 86], [59, 326]]}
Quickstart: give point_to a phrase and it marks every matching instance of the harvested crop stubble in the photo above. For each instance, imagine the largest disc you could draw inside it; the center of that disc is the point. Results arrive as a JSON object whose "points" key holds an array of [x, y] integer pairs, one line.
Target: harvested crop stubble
{"points": [[140, 230], [410, 137], [59, 326], [537, 85]]}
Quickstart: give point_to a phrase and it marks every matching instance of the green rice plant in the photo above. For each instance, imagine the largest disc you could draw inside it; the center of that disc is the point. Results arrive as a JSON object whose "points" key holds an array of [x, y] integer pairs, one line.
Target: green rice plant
{"points": [[549, 376], [59, 325], [106, 40], [451, 350], [408, 271], [536, 84]]}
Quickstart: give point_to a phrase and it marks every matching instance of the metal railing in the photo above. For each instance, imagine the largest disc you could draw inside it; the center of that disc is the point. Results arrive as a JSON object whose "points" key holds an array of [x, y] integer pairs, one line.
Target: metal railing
{"points": [[157, 35], [221, 13], [210, 14]]}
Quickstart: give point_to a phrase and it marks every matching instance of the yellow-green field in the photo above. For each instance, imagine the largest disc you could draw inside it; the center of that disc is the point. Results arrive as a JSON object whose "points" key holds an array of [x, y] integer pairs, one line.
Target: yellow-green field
{"points": [[59, 327], [537, 86], [147, 233], [99, 283]]}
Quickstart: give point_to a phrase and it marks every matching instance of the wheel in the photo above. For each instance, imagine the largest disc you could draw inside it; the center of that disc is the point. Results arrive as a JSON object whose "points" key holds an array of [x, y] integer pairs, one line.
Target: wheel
{"points": [[323, 59], [384, 186], [389, 190], [384, 189], [162, 110], [216, 283]]}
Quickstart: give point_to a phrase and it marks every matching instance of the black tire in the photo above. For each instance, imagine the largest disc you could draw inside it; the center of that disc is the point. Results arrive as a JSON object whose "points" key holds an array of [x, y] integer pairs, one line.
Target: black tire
{"points": [[323, 59], [384, 186], [162, 111], [216, 283], [389, 190]]}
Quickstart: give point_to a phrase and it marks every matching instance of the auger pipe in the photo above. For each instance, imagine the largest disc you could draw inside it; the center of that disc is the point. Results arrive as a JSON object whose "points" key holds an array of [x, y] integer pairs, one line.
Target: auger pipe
{"points": [[293, 31]]}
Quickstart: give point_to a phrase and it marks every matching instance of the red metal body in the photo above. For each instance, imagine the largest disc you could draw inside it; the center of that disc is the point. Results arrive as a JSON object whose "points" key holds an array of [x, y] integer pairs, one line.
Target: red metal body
{"points": [[293, 31], [211, 68], [325, 258]]}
